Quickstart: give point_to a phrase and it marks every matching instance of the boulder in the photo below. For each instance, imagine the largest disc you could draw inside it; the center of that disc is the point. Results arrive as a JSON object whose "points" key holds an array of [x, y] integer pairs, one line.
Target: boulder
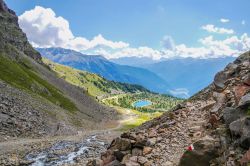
{"points": [[240, 91], [219, 80], [245, 101], [122, 144], [247, 80], [231, 114], [204, 151], [240, 129], [108, 157], [119, 155]]}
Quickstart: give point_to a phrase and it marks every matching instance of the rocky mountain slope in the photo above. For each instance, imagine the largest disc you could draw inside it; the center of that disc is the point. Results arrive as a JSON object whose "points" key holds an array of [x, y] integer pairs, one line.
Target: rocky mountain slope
{"points": [[210, 128], [34, 101], [109, 70]]}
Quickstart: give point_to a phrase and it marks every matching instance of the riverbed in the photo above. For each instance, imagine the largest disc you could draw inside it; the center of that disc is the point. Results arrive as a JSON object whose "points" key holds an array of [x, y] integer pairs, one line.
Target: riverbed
{"points": [[66, 152]]}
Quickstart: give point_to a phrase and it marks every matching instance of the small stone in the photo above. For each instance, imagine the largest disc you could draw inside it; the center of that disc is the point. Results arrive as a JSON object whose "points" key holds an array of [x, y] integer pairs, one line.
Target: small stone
{"points": [[142, 160], [147, 150], [136, 152], [151, 141]]}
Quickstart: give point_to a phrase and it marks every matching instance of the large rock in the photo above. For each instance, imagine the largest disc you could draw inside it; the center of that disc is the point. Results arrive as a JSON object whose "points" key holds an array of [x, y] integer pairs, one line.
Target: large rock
{"points": [[240, 129], [108, 157], [245, 101], [122, 144], [232, 114], [247, 79], [204, 151], [219, 80]]}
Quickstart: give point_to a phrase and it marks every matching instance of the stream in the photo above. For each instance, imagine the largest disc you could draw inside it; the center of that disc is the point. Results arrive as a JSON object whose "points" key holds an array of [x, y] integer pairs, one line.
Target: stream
{"points": [[69, 152]]}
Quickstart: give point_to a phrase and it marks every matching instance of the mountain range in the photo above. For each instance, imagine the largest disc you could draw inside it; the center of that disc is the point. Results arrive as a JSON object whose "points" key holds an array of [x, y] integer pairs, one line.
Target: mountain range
{"points": [[186, 76], [109, 70]]}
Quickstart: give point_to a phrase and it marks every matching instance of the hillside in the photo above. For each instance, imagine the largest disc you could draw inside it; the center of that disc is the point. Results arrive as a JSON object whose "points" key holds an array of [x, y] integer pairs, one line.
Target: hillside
{"points": [[210, 128], [120, 96], [34, 101], [94, 84], [109, 70]]}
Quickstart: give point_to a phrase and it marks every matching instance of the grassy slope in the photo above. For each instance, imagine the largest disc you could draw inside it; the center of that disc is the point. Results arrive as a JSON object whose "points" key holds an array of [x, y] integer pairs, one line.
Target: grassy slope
{"points": [[22, 76], [93, 83]]}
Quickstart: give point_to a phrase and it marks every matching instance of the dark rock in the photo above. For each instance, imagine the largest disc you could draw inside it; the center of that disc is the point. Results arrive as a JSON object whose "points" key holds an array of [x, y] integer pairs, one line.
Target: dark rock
{"points": [[231, 114], [136, 152], [240, 129], [122, 144], [204, 151], [141, 143], [245, 101], [119, 155], [219, 80], [247, 80]]}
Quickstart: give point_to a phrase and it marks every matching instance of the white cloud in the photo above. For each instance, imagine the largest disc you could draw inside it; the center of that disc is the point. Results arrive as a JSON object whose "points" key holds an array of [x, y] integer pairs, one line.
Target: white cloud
{"points": [[45, 29], [243, 22], [131, 52], [180, 92], [224, 20], [214, 29]]}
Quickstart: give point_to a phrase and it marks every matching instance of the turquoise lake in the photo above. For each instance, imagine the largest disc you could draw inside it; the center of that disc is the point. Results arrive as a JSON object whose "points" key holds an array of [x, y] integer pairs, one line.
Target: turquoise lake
{"points": [[142, 103]]}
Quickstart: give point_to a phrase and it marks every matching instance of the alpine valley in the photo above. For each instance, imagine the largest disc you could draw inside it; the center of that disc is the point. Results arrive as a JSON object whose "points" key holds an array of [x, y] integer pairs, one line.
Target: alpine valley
{"points": [[60, 107]]}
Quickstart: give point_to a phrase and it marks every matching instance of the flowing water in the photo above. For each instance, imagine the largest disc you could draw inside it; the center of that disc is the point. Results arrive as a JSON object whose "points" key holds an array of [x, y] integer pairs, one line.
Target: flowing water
{"points": [[68, 152]]}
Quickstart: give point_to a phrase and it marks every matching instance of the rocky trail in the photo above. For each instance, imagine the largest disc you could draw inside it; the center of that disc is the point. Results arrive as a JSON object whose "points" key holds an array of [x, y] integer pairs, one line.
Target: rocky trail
{"points": [[210, 128]]}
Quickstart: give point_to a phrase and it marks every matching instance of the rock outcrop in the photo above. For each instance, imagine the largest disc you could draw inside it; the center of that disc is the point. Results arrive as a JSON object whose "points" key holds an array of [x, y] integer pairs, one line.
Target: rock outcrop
{"points": [[210, 128], [11, 34]]}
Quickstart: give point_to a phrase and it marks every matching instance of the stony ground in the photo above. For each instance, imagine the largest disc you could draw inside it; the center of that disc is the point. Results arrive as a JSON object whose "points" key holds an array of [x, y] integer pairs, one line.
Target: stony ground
{"points": [[63, 150], [211, 128]]}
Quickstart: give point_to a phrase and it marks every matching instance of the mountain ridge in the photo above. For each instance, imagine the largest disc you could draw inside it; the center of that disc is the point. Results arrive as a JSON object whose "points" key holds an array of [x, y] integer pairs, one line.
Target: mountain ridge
{"points": [[105, 68], [182, 73]]}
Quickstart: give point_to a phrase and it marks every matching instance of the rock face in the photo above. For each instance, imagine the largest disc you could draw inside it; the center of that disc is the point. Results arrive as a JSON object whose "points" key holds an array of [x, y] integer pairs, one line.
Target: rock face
{"points": [[210, 128], [11, 33]]}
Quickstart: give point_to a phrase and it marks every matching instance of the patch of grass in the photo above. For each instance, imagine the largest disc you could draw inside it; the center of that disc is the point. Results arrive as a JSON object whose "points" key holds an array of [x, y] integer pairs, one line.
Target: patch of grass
{"points": [[22, 76], [135, 118]]}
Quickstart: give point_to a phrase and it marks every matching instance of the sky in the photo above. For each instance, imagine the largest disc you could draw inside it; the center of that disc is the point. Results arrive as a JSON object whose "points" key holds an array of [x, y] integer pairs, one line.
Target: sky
{"points": [[143, 28]]}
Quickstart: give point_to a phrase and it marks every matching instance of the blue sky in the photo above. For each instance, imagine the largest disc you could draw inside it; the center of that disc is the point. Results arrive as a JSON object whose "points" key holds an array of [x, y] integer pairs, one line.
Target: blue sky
{"points": [[144, 23]]}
